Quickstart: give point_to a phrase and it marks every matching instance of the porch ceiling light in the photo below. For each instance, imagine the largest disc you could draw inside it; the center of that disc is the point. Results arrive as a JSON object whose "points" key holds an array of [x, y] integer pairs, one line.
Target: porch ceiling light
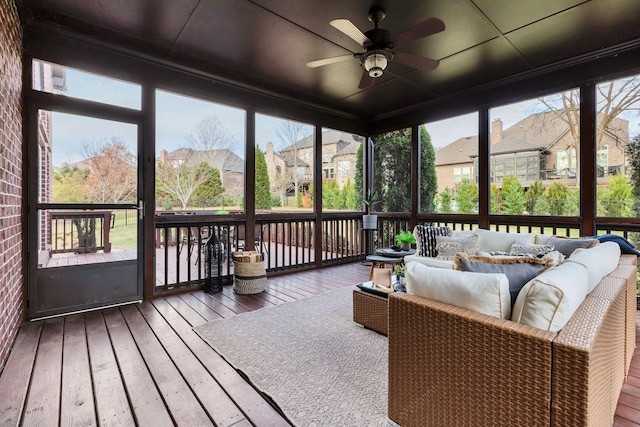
{"points": [[375, 64]]}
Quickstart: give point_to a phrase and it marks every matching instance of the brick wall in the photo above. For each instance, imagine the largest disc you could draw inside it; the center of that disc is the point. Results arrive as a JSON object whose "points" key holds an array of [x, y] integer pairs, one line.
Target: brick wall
{"points": [[12, 290]]}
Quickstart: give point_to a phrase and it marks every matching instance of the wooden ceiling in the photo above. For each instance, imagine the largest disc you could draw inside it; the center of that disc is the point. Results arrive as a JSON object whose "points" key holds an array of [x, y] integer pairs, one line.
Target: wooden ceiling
{"points": [[265, 44]]}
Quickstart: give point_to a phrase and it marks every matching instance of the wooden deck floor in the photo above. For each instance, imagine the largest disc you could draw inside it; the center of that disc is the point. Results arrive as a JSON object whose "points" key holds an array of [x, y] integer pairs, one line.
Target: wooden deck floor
{"points": [[143, 365]]}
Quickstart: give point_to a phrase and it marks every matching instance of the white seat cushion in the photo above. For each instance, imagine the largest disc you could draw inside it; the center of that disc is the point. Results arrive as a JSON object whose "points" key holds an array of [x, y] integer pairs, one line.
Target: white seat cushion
{"points": [[481, 292]]}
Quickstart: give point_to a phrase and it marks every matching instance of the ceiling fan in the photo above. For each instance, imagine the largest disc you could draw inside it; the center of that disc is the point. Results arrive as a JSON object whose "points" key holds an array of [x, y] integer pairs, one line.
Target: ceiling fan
{"points": [[378, 45]]}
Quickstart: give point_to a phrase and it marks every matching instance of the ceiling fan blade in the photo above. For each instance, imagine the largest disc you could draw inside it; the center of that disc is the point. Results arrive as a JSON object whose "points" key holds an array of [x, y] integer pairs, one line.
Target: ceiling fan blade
{"points": [[347, 27], [366, 81], [415, 61], [327, 61], [418, 31]]}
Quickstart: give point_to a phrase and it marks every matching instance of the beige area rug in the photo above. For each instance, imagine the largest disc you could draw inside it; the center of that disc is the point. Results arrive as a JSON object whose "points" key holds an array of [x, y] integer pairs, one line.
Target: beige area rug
{"points": [[310, 358]]}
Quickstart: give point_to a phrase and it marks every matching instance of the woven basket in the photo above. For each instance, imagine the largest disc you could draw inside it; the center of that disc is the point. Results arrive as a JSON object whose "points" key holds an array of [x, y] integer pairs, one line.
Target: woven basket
{"points": [[249, 277]]}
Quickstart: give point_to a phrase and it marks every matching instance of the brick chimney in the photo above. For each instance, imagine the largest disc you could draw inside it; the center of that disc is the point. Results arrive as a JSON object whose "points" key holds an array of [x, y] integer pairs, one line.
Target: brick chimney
{"points": [[496, 131], [164, 157]]}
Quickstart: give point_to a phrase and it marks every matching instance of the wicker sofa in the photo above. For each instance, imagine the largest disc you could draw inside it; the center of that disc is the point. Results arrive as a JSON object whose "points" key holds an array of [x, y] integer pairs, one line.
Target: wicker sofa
{"points": [[451, 366]]}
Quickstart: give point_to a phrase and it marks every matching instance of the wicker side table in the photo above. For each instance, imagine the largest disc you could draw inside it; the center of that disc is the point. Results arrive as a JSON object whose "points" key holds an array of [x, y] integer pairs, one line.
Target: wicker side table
{"points": [[371, 311]]}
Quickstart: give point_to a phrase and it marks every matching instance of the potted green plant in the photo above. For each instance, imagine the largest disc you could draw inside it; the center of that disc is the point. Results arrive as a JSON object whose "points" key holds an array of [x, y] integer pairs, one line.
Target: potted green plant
{"points": [[405, 239], [370, 222]]}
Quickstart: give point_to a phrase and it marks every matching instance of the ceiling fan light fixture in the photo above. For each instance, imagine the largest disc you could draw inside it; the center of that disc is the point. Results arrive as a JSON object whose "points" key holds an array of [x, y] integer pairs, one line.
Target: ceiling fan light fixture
{"points": [[375, 64]]}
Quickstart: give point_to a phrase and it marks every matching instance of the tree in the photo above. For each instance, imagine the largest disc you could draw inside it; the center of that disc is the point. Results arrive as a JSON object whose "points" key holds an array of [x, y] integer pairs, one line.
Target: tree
{"points": [[467, 197], [331, 195], [263, 194], [495, 202], [178, 181], [359, 185], [445, 201], [68, 185], [513, 194], [428, 178], [291, 135], [557, 194], [572, 205], [210, 139], [349, 195], [633, 155], [392, 169], [616, 197], [534, 194], [211, 187], [113, 176]]}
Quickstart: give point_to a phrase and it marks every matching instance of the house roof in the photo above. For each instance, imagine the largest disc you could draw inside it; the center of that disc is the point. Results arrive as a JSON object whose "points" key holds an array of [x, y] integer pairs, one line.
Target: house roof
{"points": [[329, 136], [221, 159], [536, 132]]}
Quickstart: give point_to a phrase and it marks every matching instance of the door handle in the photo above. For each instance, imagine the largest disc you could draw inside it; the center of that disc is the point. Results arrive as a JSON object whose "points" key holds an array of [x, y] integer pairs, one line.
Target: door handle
{"points": [[141, 209]]}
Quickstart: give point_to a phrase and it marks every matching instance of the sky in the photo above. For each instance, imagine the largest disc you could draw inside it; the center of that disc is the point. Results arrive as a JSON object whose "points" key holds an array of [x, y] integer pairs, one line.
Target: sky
{"points": [[177, 115]]}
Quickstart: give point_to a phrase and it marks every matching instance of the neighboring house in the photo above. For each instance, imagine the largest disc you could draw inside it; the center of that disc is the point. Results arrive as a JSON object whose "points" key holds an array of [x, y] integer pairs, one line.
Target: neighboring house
{"points": [[539, 147], [339, 152], [230, 165]]}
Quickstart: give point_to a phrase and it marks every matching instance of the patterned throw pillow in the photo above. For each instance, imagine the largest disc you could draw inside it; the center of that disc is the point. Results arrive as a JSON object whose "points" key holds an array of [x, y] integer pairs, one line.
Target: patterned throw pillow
{"points": [[448, 247], [426, 238], [522, 247]]}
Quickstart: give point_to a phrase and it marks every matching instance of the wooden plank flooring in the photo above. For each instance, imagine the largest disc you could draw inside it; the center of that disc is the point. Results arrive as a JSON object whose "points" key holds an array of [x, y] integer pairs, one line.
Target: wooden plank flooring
{"points": [[143, 365]]}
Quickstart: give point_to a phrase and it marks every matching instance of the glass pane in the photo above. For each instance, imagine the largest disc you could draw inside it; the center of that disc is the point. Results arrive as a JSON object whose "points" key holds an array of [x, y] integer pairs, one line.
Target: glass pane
{"points": [[618, 148], [456, 154], [72, 237], [86, 160], [60, 80], [392, 170], [341, 170], [284, 165], [534, 147], [199, 155]]}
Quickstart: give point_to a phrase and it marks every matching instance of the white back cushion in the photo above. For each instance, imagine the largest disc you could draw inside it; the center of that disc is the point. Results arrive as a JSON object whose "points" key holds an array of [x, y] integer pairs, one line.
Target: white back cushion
{"points": [[482, 292], [599, 261], [496, 241], [549, 300]]}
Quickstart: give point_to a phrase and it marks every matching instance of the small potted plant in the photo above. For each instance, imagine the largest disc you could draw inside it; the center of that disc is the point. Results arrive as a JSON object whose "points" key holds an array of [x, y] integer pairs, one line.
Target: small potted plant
{"points": [[405, 239], [370, 222]]}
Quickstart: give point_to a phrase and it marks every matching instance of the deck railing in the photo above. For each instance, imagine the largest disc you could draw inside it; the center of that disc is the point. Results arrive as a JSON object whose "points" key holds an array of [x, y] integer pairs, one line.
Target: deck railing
{"points": [[80, 231], [287, 244]]}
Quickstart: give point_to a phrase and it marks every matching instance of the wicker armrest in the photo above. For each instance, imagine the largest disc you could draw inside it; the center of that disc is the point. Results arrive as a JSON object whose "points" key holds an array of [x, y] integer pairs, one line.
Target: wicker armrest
{"points": [[453, 366], [589, 358]]}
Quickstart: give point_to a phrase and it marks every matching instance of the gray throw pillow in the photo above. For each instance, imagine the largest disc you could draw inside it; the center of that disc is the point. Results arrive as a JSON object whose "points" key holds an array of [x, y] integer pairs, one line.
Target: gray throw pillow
{"points": [[567, 245], [519, 270]]}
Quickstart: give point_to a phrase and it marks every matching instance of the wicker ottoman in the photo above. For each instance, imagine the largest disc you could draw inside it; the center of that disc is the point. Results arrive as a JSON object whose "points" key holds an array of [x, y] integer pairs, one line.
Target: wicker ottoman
{"points": [[371, 311]]}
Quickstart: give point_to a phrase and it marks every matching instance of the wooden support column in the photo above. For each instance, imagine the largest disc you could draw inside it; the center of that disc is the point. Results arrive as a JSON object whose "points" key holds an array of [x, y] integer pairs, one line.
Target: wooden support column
{"points": [[250, 177], [317, 194], [416, 144], [146, 189], [588, 186], [484, 186]]}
